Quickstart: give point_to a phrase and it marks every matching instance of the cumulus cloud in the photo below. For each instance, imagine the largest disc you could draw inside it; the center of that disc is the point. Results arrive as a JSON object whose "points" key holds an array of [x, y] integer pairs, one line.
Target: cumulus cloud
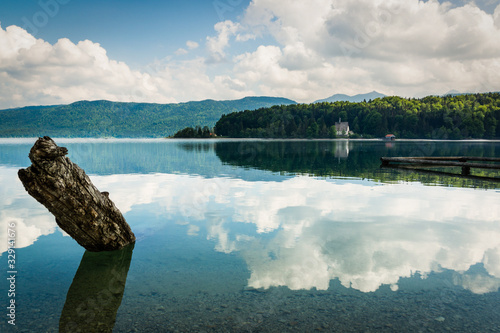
{"points": [[33, 71], [496, 17], [303, 51], [216, 45], [189, 80], [392, 42]]}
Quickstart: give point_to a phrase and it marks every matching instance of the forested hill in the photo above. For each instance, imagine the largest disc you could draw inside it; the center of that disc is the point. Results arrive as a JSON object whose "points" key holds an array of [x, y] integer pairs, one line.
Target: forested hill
{"points": [[354, 99], [116, 119], [447, 117]]}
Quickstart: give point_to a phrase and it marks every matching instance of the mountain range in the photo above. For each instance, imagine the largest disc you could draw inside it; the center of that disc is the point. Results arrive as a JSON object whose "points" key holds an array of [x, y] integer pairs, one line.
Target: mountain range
{"points": [[354, 99], [120, 119]]}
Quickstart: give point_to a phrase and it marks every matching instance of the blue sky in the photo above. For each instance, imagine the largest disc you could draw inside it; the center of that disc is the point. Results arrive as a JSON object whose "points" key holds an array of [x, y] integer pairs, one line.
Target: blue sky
{"points": [[132, 31], [61, 51]]}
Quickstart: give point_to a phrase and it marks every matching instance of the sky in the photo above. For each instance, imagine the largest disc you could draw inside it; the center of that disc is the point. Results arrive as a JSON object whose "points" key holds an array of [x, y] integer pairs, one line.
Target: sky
{"points": [[62, 51]]}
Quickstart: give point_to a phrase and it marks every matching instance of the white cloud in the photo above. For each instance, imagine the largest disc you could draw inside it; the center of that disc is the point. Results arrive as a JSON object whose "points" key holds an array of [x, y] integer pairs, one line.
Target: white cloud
{"points": [[228, 83], [262, 71], [303, 51], [403, 47], [245, 37], [12, 40], [216, 45], [181, 51], [33, 71], [189, 80], [496, 17], [192, 45]]}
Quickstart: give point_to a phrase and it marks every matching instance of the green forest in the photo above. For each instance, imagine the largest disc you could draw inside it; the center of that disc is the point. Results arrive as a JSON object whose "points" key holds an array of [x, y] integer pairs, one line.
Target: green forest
{"points": [[117, 119], [432, 117], [196, 133]]}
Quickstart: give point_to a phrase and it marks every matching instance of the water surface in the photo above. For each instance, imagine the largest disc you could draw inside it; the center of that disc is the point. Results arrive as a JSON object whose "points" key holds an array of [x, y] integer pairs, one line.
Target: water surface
{"points": [[262, 236]]}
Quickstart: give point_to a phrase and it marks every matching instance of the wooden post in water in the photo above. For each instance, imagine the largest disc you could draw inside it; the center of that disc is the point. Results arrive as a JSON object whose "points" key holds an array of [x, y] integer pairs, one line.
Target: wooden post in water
{"points": [[81, 210]]}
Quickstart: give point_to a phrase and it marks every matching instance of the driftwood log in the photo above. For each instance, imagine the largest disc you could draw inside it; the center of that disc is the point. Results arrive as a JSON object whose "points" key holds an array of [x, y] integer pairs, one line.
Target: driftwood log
{"points": [[85, 213]]}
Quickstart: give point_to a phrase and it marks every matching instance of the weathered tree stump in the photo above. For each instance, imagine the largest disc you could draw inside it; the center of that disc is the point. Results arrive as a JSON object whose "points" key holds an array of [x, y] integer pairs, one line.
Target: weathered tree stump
{"points": [[85, 213]]}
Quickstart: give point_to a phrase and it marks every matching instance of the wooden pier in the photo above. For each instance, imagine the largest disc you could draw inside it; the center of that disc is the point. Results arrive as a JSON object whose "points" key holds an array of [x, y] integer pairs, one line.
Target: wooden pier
{"points": [[466, 163]]}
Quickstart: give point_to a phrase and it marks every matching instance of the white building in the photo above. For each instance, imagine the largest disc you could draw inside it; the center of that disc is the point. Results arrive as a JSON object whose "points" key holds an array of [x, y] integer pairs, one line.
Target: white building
{"points": [[342, 128]]}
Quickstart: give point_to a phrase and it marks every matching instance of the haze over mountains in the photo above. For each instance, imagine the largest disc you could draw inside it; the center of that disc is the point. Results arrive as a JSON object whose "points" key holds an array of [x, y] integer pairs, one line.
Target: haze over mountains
{"points": [[354, 99]]}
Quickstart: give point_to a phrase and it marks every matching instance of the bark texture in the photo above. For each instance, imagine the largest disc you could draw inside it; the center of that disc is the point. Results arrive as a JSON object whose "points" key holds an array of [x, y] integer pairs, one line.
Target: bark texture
{"points": [[85, 213]]}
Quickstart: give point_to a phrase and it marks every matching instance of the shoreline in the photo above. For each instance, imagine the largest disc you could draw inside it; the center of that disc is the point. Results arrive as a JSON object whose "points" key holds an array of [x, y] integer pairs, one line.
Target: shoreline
{"points": [[21, 140]]}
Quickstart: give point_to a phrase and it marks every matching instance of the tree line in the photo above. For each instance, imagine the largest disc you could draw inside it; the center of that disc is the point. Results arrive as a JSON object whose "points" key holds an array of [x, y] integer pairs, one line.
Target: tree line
{"points": [[432, 117], [120, 119], [197, 132]]}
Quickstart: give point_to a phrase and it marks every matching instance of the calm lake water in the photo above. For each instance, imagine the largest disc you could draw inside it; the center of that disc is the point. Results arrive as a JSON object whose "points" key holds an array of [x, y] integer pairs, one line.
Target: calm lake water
{"points": [[261, 236]]}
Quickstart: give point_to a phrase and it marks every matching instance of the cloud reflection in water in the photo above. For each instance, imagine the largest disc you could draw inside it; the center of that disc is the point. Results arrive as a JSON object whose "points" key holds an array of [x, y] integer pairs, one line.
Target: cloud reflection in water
{"points": [[365, 234], [307, 231]]}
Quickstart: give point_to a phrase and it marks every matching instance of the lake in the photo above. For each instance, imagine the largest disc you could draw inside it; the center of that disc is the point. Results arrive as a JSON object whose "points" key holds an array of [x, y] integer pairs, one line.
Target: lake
{"points": [[261, 236]]}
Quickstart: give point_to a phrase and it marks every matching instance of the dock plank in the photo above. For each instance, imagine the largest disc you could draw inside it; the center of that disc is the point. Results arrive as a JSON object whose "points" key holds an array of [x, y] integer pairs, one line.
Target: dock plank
{"points": [[445, 161]]}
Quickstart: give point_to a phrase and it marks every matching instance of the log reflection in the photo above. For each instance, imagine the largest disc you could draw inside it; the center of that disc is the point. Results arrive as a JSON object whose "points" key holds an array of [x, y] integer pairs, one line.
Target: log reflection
{"points": [[96, 292]]}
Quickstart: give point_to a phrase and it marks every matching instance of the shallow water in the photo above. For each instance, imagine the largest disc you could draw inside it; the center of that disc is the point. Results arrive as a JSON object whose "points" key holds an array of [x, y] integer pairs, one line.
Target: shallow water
{"points": [[261, 236]]}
